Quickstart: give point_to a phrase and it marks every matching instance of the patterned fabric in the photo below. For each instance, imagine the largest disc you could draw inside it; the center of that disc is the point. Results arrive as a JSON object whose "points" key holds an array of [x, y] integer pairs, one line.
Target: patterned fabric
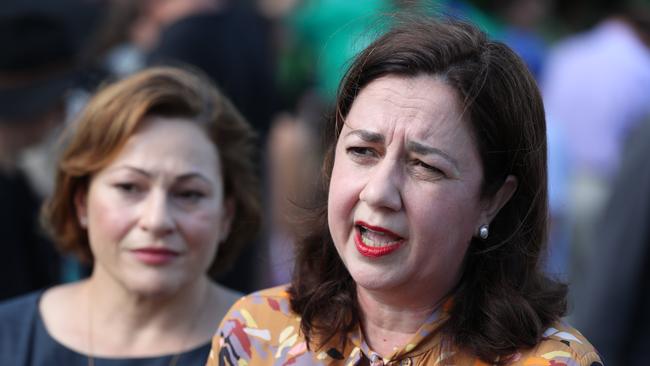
{"points": [[261, 329]]}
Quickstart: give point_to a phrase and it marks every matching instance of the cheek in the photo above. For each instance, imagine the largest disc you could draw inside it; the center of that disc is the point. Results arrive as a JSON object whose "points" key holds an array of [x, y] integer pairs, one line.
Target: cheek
{"points": [[447, 218], [107, 220], [203, 229], [342, 197]]}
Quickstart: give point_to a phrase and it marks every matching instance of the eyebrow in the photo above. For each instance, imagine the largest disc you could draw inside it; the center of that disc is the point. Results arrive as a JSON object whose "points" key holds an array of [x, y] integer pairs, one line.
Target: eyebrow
{"points": [[182, 177], [367, 136], [421, 149]]}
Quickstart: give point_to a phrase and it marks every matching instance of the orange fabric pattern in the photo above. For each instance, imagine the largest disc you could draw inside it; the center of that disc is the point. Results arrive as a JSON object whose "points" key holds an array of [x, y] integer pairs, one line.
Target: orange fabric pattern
{"points": [[260, 329]]}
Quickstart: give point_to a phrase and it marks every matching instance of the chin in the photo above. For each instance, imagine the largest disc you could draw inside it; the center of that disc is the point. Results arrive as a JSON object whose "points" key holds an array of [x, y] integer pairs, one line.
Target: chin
{"points": [[153, 286], [373, 279]]}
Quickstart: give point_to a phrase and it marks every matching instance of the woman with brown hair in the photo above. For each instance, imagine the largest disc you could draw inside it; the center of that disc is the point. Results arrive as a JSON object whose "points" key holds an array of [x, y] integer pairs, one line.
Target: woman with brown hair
{"points": [[427, 243], [157, 190]]}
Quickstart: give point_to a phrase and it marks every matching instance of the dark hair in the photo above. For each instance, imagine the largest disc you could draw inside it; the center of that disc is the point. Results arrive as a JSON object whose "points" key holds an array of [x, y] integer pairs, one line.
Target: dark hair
{"points": [[112, 117], [503, 302]]}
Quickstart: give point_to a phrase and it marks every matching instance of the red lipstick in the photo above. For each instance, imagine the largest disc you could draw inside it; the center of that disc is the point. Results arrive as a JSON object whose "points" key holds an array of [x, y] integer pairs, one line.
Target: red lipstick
{"points": [[371, 251], [155, 256]]}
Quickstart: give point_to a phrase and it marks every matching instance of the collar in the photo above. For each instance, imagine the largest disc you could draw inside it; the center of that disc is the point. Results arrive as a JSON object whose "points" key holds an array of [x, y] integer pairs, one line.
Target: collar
{"points": [[426, 338]]}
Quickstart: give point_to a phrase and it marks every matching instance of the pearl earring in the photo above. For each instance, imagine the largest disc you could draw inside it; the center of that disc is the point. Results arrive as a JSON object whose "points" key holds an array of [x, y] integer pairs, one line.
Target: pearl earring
{"points": [[484, 232]]}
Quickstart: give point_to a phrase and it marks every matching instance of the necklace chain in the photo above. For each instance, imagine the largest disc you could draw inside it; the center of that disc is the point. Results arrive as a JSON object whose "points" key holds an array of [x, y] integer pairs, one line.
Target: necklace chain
{"points": [[174, 358]]}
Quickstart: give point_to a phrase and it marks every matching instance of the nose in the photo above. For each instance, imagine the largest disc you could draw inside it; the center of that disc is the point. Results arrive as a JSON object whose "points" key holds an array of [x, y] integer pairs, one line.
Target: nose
{"points": [[383, 186], [156, 217]]}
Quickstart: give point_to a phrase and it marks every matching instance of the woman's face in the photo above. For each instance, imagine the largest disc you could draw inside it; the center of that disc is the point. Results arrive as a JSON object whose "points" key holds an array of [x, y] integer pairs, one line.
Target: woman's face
{"points": [[404, 194], [156, 214]]}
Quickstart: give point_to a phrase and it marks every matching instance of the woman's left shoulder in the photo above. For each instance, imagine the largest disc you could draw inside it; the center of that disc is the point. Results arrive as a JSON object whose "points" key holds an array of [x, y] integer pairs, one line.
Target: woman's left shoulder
{"points": [[563, 345]]}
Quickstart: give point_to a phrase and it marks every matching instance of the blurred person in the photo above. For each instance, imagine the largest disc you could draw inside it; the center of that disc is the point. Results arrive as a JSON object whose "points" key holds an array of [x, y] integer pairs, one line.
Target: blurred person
{"points": [[595, 88], [426, 245], [616, 299], [520, 31], [294, 152], [226, 40], [37, 68], [157, 190], [333, 32]]}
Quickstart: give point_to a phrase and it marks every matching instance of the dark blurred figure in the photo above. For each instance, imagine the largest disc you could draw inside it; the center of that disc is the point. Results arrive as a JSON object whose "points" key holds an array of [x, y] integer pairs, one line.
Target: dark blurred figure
{"points": [[226, 40], [595, 88], [35, 71], [294, 159], [616, 304]]}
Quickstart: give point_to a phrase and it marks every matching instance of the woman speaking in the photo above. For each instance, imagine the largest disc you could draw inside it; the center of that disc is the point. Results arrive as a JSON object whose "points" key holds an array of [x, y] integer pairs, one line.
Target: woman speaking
{"points": [[427, 244]]}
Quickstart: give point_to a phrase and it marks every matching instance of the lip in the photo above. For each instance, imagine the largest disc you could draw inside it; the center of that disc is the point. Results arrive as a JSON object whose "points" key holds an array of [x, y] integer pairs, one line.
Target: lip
{"points": [[155, 256], [375, 252]]}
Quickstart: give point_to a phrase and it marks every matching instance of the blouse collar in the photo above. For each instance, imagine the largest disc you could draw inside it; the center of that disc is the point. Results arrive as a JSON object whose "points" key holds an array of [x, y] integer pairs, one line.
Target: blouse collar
{"points": [[423, 340]]}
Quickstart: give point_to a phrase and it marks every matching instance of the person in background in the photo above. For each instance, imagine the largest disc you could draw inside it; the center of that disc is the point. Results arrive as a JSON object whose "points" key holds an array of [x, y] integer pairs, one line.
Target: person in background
{"points": [[595, 87], [201, 33], [157, 189], [616, 300], [427, 245]]}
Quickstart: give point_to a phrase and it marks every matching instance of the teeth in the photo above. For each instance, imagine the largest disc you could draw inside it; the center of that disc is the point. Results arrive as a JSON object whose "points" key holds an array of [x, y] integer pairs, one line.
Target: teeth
{"points": [[376, 239]]}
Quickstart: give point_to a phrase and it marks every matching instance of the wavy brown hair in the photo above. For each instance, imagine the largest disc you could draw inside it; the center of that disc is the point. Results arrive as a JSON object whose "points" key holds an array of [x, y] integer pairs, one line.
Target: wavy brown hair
{"points": [[503, 302], [113, 115]]}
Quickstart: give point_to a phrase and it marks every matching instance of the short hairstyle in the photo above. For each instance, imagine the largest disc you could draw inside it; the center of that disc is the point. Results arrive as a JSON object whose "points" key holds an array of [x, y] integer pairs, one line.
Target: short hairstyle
{"points": [[112, 117], [503, 302]]}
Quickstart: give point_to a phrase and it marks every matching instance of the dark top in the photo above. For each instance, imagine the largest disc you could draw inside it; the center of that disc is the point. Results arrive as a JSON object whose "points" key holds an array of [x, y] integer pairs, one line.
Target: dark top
{"points": [[232, 46], [28, 262], [24, 341]]}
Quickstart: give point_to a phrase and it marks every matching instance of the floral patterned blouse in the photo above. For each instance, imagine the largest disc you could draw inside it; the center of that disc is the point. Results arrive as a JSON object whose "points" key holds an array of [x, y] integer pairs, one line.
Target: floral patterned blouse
{"points": [[261, 329]]}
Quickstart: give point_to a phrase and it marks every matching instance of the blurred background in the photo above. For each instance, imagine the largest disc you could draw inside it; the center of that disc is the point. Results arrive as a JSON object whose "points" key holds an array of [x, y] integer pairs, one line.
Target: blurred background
{"points": [[280, 61]]}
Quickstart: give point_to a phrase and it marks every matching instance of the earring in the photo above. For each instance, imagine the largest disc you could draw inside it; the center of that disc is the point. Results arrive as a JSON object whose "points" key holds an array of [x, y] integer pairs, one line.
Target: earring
{"points": [[484, 232], [83, 221]]}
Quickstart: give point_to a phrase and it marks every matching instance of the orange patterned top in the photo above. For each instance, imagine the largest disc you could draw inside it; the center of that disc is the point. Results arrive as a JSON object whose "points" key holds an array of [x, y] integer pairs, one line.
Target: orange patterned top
{"points": [[260, 329]]}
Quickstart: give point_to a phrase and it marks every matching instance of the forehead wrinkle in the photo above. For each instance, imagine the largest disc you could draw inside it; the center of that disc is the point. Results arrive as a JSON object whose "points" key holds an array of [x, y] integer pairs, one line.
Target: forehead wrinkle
{"points": [[367, 136]]}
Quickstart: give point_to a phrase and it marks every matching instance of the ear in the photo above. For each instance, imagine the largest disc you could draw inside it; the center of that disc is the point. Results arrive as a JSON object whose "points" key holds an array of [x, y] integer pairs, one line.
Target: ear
{"points": [[493, 205], [229, 211], [81, 206]]}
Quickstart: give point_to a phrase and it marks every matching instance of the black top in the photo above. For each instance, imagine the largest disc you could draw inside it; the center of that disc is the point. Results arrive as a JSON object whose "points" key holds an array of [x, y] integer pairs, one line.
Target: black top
{"points": [[28, 262], [24, 341]]}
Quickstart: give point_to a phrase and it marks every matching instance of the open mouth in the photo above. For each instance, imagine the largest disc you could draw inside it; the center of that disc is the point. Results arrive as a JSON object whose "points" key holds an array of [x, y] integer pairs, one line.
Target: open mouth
{"points": [[373, 242]]}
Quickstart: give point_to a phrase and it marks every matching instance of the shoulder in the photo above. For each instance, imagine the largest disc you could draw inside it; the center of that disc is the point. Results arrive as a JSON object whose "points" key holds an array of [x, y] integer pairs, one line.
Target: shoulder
{"points": [[268, 309], [561, 344], [258, 326], [18, 309], [17, 324]]}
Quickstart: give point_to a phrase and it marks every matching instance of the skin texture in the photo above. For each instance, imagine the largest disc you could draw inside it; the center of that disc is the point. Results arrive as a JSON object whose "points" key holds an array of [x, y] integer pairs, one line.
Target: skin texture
{"points": [[164, 190], [406, 161], [173, 201]]}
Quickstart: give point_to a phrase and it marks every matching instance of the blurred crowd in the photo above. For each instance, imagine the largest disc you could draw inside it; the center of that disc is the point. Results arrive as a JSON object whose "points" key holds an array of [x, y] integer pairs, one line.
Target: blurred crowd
{"points": [[280, 61]]}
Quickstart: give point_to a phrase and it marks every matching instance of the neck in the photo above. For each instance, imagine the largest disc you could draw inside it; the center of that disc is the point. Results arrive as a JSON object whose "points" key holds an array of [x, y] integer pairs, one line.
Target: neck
{"points": [[121, 322], [389, 321]]}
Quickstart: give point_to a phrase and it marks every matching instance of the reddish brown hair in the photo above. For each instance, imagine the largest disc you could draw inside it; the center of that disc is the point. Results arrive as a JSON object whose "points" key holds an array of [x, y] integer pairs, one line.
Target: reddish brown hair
{"points": [[111, 118]]}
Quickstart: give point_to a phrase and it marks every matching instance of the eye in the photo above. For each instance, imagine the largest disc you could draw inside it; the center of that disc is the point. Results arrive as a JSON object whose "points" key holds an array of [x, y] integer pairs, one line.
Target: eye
{"points": [[361, 151], [190, 195], [429, 169], [128, 187]]}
